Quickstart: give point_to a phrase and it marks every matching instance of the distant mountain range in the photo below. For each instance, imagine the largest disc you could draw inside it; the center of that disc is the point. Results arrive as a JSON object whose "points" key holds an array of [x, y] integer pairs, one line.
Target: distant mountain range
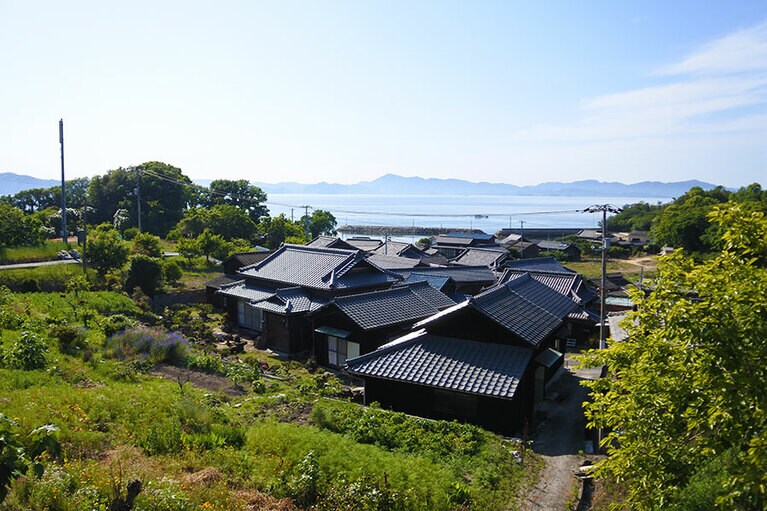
{"points": [[11, 183], [394, 184]]}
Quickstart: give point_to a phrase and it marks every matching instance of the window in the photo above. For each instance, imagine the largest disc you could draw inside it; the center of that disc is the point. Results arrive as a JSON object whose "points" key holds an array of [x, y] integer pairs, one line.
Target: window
{"points": [[339, 350]]}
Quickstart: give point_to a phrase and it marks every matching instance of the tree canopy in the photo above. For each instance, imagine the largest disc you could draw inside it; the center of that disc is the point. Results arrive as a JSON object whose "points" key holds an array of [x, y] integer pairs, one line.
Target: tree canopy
{"points": [[684, 399], [240, 194], [164, 196]]}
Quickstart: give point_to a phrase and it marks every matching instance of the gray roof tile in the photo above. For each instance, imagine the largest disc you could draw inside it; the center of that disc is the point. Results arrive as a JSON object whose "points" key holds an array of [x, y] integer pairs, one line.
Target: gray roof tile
{"points": [[460, 274], [567, 283], [489, 257], [379, 309], [318, 268], [290, 301], [537, 263], [241, 289], [446, 363]]}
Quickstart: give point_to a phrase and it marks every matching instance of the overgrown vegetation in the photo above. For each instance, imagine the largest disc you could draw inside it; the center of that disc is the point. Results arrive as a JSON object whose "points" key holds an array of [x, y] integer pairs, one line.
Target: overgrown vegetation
{"points": [[684, 400], [193, 447]]}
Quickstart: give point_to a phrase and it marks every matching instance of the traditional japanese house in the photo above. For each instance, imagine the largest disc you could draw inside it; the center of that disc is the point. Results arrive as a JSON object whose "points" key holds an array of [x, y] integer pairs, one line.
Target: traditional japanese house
{"points": [[452, 244], [274, 296], [486, 360], [493, 258], [571, 251], [349, 326]]}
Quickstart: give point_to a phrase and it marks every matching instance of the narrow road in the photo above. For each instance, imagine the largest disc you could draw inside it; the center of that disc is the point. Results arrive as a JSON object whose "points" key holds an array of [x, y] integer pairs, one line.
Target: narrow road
{"points": [[559, 441], [39, 263]]}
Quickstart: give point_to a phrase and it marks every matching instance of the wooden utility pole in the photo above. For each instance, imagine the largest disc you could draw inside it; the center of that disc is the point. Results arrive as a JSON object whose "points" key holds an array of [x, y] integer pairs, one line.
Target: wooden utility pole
{"points": [[138, 196], [522, 239], [604, 208], [64, 233]]}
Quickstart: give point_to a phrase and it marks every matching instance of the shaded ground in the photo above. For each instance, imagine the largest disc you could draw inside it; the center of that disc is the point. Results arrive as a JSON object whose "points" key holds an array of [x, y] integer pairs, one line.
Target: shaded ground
{"points": [[559, 440], [211, 382]]}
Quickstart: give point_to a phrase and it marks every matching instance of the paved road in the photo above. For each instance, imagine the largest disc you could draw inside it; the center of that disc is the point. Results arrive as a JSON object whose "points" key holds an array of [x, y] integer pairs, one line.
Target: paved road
{"points": [[40, 263], [559, 440]]}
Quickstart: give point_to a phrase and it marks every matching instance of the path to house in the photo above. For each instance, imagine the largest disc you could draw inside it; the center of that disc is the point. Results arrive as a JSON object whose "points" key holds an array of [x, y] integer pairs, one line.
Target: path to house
{"points": [[559, 440], [39, 263]]}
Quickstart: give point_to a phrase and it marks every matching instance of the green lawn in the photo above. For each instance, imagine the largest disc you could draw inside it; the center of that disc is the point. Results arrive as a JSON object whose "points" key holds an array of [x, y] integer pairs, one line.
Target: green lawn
{"points": [[46, 252]]}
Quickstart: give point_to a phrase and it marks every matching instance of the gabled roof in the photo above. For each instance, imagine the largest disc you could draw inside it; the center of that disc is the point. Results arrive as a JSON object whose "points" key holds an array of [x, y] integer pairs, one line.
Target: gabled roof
{"points": [[537, 263], [242, 259], [435, 281], [526, 308], [569, 284], [555, 245], [398, 248], [391, 262], [364, 243], [451, 364], [318, 268], [389, 307], [479, 236], [461, 275], [330, 242], [222, 280], [490, 257], [292, 300], [429, 294]]}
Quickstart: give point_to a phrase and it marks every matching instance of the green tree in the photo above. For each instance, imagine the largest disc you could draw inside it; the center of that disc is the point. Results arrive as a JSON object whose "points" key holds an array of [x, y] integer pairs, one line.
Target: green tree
{"points": [[634, 217], [231, 222], [18, 229], [147, 244], [210, 243], [106, 251], [146, 273], [684, 399], [17, 455], [240, 194], [320, 222], [279, 230], [189, 248], [165, 193], [685, 224]]}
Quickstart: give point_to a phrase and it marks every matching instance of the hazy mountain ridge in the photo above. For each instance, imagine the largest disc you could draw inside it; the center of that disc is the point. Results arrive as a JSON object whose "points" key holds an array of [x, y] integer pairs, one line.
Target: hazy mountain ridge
{"points": [[12, 183], [394, 184]]}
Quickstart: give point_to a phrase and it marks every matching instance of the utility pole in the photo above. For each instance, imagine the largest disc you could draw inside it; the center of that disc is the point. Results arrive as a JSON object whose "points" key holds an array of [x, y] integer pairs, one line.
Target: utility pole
{"points": [[604, 208], [138, 196], [521, 239], [85, 237], [64, 233], [306, 220]]}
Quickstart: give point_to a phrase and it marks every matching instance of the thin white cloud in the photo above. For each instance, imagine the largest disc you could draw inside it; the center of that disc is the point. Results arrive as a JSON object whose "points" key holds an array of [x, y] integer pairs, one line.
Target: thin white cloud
{"points": [[743, 51], [717, 90]]}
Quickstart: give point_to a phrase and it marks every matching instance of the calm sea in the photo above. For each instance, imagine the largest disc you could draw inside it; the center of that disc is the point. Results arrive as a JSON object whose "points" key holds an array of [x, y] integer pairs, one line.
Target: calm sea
{"points": [[486, 212]]}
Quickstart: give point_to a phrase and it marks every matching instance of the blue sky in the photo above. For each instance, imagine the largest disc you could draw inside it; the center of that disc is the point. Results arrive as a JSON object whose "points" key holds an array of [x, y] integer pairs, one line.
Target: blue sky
{"points": [[308, 91]]}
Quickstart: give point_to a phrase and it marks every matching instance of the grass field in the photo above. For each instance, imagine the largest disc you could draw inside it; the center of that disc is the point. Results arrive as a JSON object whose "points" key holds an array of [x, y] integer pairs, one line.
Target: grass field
{"points": [[46, 252], [630, 268], [195, 447]]}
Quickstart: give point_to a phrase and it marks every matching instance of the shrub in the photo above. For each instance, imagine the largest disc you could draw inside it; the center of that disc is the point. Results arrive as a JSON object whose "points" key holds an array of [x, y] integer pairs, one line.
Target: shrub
{"points": [[27, 353], [144, 272], [171, 270], [71, 339], [115, 323], [154, 344], [130, 233], [211, 364]]}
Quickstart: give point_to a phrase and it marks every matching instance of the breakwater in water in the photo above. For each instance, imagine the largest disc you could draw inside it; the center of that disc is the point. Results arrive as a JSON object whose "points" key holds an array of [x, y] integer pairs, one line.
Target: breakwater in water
{"points": [[404, 230]]}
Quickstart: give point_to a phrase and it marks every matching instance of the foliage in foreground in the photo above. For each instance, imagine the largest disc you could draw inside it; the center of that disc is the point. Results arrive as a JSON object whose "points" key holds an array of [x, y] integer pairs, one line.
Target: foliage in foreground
{"points": [[684, 400]]}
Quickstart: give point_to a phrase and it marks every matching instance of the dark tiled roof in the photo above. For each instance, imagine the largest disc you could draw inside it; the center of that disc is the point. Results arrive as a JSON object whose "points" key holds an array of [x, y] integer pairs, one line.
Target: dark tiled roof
{"points": [[537, 263], [385, 308], [318, 268], [292, 300], [430, 294], [525, 307], [555, 245], [451, 240], [459, 274], [364, 244], [394, 262], [398, 248], [482, 257], [223, 280], [479, 236], [241, 289], [435, 281], [452, 364], [330, 242], [243, 259], [566, 283]]}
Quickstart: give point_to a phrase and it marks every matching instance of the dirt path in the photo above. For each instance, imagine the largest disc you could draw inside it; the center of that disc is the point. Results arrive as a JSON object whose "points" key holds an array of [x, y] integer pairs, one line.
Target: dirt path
{"points": [[559, 440], [211, 382]]}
